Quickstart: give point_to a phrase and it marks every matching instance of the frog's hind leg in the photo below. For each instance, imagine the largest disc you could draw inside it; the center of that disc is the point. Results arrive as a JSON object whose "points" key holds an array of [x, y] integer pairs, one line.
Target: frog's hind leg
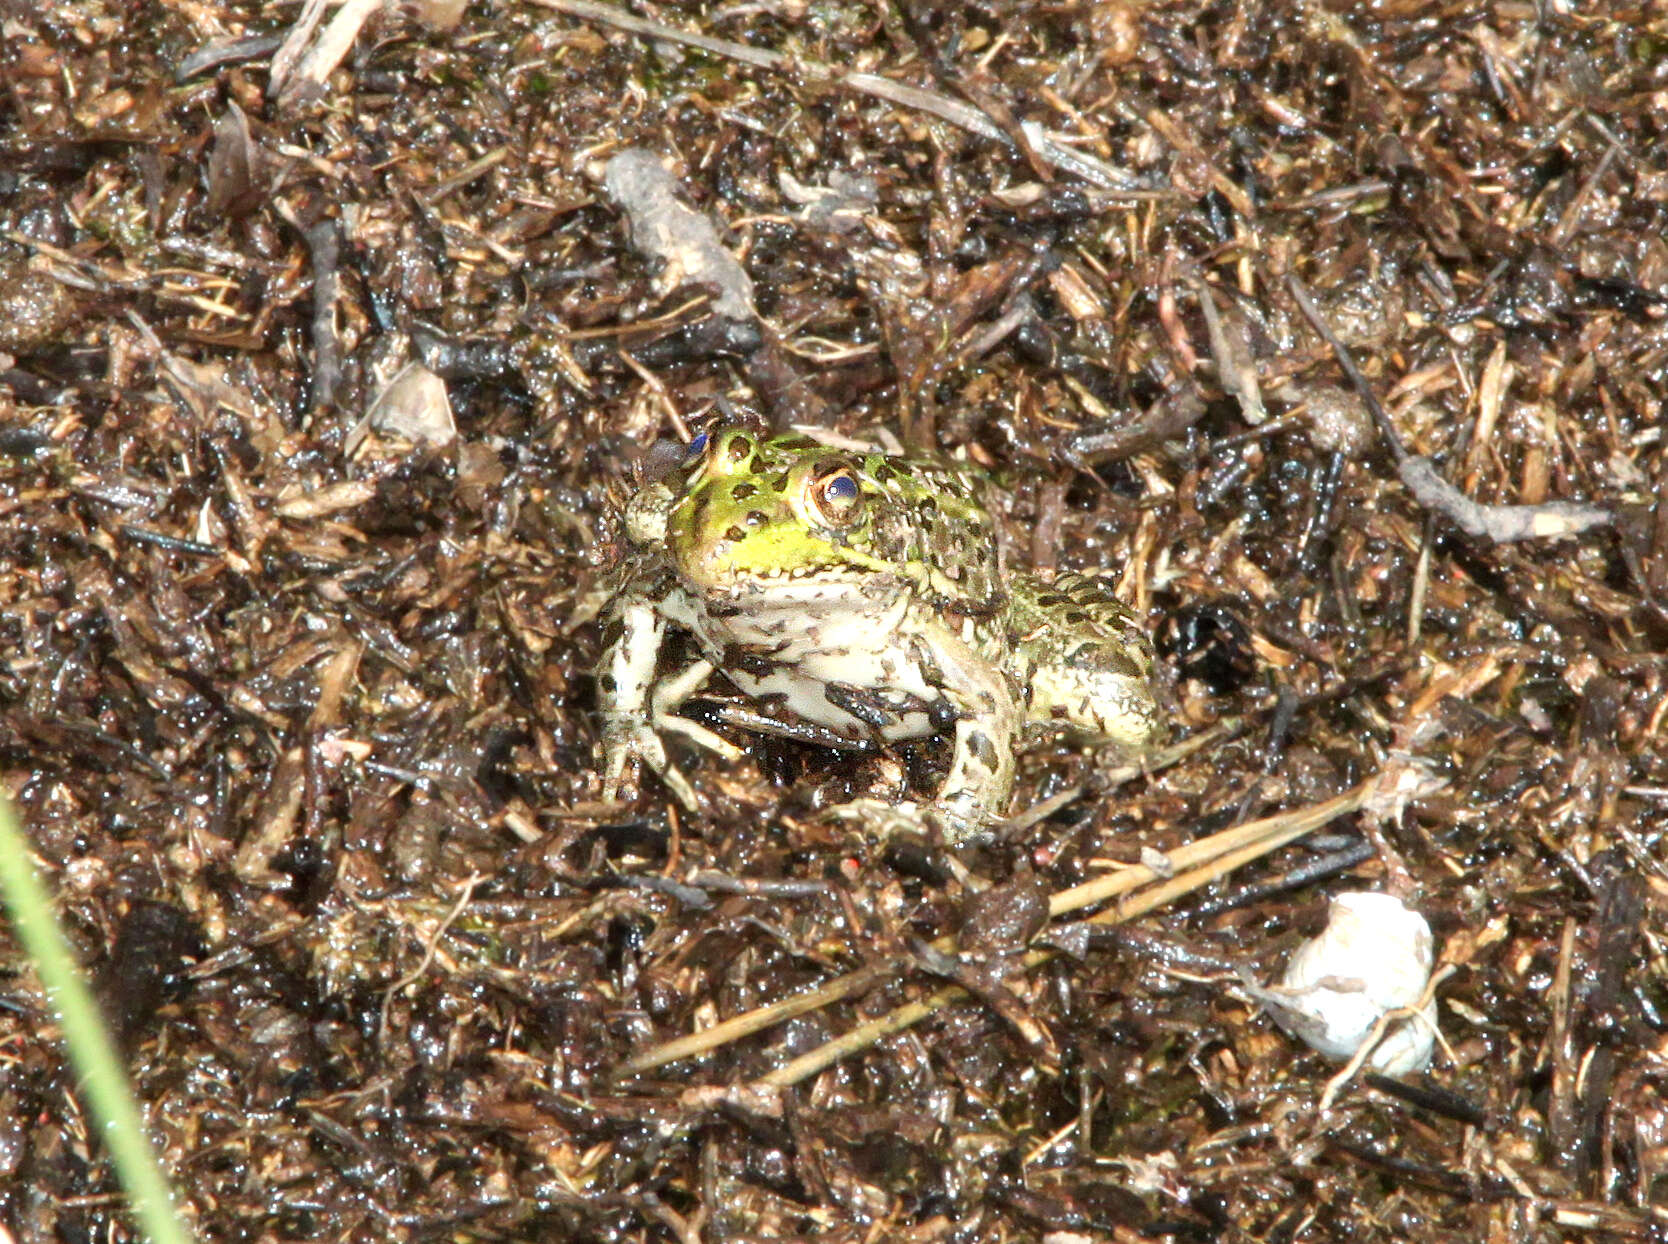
{"points": [[1086, 662], [978, 698], [631, 704]]}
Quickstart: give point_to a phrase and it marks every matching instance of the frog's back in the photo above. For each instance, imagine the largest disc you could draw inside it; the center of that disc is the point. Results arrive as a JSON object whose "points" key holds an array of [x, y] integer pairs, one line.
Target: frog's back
{"points": [[933, 519]]}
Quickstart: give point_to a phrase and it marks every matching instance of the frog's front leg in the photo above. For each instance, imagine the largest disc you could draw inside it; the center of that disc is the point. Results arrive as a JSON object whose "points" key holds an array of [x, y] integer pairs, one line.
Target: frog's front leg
{"points": [[629, 704], [669, 696], [987, 720], [987, 734], [988, 726]]}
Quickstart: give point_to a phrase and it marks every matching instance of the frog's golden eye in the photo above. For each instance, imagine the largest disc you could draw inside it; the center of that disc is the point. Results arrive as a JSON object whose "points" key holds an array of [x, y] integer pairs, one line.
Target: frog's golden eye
{"points": [[837, 496]]}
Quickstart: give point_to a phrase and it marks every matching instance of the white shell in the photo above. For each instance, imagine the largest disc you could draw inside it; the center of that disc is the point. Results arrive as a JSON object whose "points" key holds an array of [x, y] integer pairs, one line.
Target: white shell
{"points": [[1373, 957]]}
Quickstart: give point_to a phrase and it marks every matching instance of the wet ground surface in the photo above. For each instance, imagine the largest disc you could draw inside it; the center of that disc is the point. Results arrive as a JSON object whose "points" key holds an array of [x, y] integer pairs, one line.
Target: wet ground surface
{"points": [[296, 694]]}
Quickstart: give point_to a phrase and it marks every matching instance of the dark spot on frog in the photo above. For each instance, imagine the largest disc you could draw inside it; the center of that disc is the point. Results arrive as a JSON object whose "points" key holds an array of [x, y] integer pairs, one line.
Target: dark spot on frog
{"points": [[774, 703], [981, 748], [739, 448], [924, 660], [750, 662], [883, 475], [743, 491], [757, 518], [1076, 618], [780, 483], [735, 535], [901, 468]]}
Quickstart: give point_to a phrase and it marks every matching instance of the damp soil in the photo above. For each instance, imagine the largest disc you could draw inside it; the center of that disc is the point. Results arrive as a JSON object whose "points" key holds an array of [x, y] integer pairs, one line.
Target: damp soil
{"points": [[296, 647]]}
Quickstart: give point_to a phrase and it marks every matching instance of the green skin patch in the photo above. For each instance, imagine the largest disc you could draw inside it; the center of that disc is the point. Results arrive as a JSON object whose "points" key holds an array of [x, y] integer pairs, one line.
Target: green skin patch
{"points": [[863, 595]]}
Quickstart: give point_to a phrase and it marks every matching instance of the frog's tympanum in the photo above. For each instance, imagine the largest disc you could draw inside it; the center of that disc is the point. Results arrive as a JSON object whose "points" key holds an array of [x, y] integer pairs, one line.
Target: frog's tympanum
{"points": [[861, 595]]}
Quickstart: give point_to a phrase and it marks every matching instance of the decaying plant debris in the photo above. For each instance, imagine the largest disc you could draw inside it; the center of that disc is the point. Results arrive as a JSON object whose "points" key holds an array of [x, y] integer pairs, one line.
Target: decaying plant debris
{"points": [[320, 386]]}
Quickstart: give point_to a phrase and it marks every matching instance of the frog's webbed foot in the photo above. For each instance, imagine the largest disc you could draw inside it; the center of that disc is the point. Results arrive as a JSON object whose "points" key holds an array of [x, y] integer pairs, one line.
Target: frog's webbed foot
{"points": [[630, 742], [630, 745], [975, 790], [882, 819]]}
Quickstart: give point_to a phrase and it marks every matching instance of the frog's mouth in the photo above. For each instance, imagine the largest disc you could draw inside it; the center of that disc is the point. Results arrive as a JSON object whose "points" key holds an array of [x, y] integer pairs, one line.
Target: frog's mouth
{"points": [[803, 589], [778, 566]]}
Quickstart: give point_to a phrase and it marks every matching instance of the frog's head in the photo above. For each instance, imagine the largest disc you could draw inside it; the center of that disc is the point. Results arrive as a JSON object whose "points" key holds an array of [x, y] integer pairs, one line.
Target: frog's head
{"points": [[806, 522]]}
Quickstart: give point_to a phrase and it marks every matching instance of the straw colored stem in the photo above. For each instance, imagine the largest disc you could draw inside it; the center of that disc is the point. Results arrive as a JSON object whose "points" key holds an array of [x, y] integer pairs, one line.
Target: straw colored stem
{"points": [[1234, 847]]}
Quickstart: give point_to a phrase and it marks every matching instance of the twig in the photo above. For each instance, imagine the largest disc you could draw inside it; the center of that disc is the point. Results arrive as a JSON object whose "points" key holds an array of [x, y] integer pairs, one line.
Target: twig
{"points": [[1216, 856], [1414, 1014], [1502, 524], [1211, 857], [1236, 846], [327, 353], [429, 948], [467, 174], [974, 120], [1236, 370], [294, 44], [227, 50], [307, 79], [1565, 227]]}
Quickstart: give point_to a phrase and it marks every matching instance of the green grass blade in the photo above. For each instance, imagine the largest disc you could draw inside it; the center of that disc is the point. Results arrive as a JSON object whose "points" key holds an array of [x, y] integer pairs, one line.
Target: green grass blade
{"points": [[106, 1093]]}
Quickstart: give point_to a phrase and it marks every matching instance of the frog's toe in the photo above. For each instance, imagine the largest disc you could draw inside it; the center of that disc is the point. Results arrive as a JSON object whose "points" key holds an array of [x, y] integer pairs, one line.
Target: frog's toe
{"points": [[879, 818], [634, 747], [680, 787], [958, 827], [882, 820], [700, 736]]}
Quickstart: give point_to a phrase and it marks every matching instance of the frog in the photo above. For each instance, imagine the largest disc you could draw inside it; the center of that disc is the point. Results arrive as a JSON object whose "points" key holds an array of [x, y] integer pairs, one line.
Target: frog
{"points": [[863, 596]]}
